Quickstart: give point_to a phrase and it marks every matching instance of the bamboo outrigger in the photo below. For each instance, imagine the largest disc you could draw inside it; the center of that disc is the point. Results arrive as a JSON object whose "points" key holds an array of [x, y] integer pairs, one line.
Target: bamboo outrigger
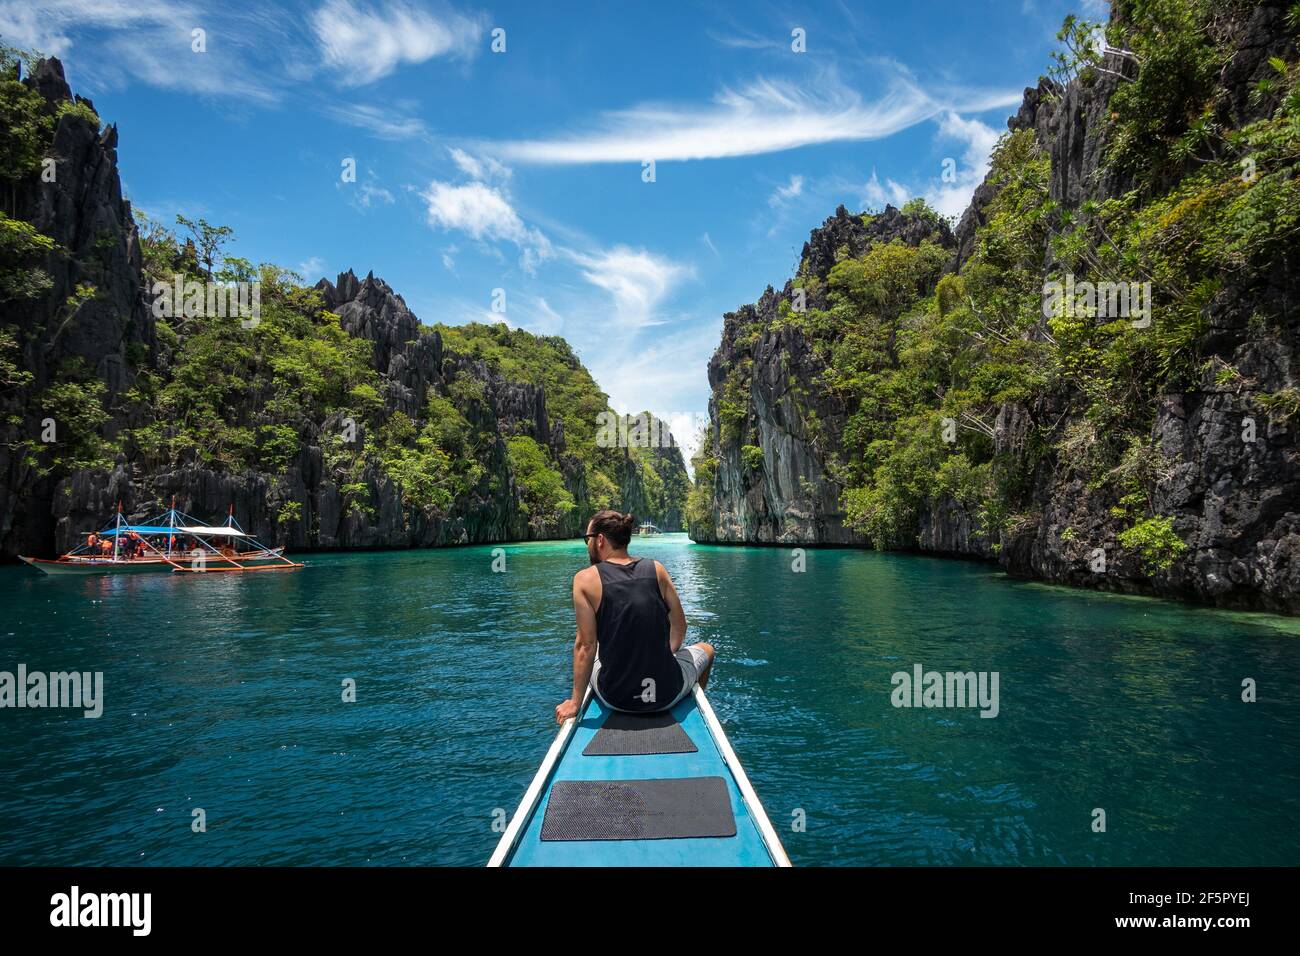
{"points": [[171, 541]]}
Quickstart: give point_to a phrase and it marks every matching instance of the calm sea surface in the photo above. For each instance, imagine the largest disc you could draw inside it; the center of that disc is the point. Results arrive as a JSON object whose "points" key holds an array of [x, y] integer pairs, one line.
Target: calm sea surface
{"points": [[223, 692]]}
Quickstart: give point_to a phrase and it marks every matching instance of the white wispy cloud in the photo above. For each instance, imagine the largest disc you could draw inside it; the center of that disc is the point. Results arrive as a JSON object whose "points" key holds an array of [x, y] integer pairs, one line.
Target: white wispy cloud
{"points": [[474, 208], [637, 281], [742, 40], [52, 26], [877, 195], [952, 198], [310, 267], [380, 121], [483, 168], [485, 214], [152, 41], [43, 29], [766, 116], [365, 42], [253, 53], [544, 320], [787, 192], [660, 370], [371, 194], [366, 193], [949, 191]]}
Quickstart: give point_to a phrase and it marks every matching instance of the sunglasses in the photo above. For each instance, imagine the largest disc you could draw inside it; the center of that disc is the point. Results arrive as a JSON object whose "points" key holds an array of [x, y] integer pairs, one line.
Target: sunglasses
{"points": [[589, 535]]}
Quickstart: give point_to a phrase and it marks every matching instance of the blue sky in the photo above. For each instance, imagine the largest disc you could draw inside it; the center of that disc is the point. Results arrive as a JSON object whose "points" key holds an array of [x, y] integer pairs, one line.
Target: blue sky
{"points": [[523, 170]]}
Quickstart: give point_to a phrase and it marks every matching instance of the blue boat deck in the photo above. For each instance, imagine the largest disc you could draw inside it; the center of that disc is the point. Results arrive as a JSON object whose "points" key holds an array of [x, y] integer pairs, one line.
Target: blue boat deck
{"points": [[746, 848]]}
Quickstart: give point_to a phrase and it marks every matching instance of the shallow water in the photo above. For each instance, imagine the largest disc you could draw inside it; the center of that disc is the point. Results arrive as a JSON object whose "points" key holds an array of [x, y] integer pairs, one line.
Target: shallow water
{"points": [[223, 692]]}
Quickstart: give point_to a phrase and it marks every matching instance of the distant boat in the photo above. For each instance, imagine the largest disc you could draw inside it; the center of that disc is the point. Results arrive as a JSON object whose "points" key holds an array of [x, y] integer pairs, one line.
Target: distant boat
{"points": [[171, 541], [649, 529], [660, 789]]}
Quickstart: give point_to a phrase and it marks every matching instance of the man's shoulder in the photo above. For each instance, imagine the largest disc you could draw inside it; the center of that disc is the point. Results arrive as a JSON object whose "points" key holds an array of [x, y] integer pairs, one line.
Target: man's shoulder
{"points": [[586, 575]]}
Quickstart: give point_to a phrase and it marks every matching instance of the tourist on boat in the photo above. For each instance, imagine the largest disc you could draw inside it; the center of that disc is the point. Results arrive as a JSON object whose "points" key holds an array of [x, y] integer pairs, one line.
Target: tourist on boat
{"points": [[631, 628]]}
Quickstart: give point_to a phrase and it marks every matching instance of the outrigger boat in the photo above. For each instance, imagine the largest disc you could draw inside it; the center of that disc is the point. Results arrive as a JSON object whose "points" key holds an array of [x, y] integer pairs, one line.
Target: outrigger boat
{"points": [[171, 541], [648, 529], [641, 790]]}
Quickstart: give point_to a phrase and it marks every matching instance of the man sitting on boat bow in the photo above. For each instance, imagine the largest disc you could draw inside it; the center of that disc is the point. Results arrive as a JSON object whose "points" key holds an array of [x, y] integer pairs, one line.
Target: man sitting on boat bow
{"points": [[631, 628]]}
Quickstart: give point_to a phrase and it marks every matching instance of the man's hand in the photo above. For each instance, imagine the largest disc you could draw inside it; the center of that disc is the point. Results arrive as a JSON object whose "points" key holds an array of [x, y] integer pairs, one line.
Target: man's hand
{"points": [[566, 709]]}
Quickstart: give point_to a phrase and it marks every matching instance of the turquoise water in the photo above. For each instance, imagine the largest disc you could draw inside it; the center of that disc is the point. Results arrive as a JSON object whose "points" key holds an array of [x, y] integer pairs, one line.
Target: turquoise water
{"points": [[223, 692]]}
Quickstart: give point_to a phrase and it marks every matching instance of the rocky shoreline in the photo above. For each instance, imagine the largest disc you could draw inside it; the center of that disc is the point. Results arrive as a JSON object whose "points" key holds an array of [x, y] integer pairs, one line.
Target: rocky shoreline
{"points": [[1235, 504]]}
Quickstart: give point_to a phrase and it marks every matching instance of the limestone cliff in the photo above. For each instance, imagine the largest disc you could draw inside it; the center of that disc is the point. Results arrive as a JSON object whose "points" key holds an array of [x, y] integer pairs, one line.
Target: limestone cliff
{"points": [[105, 339], [773, 472]]}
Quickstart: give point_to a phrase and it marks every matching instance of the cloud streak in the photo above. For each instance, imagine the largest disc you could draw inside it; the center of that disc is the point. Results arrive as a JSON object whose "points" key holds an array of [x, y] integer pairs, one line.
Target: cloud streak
{"points": [[783, 194], [949, 195], [479, 167], [485, 214], [250, 53], [364, 43], [952, 198], [638, 281], [380, 122], [763, 117], [150, 41]]}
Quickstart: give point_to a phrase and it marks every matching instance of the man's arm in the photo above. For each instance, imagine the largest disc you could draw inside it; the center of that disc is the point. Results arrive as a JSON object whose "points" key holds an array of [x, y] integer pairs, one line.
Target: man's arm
{"points": [[584, 649], [676, 616]]}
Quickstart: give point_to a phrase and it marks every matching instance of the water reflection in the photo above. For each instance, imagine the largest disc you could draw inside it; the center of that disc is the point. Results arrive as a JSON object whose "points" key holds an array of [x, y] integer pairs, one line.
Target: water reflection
{"points": [[223, 691]]}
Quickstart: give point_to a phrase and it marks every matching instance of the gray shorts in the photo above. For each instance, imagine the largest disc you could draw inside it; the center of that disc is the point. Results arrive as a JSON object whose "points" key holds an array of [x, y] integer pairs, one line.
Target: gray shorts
{"points": [[691, 659]]}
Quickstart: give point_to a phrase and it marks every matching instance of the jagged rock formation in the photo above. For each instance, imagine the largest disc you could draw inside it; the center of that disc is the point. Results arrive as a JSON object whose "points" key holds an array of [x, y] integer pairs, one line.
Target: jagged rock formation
{"points": [[1235, 504], [83, 210], [415, 363], [409, 360], [794, 497], [115, 337], [659, 497]]}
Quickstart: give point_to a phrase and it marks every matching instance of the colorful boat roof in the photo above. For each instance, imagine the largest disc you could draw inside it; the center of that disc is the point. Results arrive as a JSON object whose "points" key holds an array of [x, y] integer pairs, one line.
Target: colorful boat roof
{"points": [[139, 529]]}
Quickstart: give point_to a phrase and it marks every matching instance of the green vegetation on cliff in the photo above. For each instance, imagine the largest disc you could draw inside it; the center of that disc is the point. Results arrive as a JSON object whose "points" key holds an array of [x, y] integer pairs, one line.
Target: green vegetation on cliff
{"points": [[925, 359], [253, 398], [610, 471], [495, 426], [699, 502]]}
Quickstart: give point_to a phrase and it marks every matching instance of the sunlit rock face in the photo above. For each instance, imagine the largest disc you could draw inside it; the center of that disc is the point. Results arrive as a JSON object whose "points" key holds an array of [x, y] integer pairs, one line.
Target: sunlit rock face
{"points": [[792, 498], [115, 336], [1235, 503]]}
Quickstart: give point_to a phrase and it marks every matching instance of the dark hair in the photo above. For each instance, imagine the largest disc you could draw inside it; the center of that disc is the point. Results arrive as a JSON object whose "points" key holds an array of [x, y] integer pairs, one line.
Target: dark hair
{"points": [[617, 528]]}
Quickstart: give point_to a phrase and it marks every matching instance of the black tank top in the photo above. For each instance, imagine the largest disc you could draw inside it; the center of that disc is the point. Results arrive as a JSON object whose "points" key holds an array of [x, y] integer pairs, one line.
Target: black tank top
{"points": [[632, 636]]}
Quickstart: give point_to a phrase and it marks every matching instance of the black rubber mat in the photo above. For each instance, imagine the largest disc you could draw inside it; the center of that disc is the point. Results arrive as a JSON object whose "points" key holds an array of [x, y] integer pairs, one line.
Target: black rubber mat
{"points": [[672, 809], [626, 735]]}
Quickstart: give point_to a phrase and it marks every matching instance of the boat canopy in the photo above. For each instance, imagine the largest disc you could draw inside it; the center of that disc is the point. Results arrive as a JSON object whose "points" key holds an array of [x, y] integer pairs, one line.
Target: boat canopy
{"points": [[172, 551], [138, 529]]}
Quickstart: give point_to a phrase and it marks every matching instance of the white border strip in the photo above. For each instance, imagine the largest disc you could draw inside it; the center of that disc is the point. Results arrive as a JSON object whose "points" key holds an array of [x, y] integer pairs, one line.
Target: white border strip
{"points": [[773, 842], [534, 791]]}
